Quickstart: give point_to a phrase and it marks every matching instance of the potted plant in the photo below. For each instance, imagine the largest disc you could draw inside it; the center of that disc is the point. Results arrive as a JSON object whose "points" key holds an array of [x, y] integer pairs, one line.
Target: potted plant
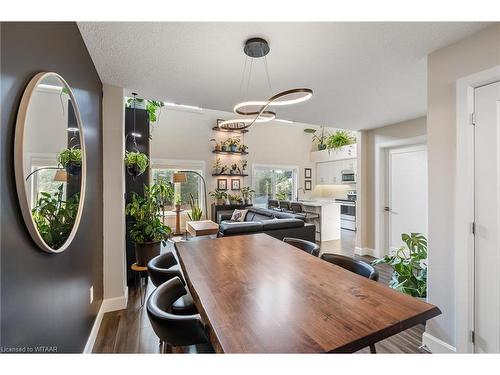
{"points": [[410, 267], [196, 211], [243, 165], [71, 159], [246, 194], [177, 202], [320, 139], [216, 144], [234, 169], [339, 139], [217, 166], [147, 231], [233, 144], [219, 196], [54, 216], [136, 163], [152, 106], [242, 148], [225, 145], [234, 199]]}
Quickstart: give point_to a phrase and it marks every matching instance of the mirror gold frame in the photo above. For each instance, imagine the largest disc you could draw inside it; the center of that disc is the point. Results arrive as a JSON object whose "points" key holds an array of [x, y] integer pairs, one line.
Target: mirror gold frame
{"points": [[19, 162]]}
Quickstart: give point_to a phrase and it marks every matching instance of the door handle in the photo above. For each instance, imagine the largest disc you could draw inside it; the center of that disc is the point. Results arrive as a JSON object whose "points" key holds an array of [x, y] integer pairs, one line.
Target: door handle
{"points": [[387, 208]]}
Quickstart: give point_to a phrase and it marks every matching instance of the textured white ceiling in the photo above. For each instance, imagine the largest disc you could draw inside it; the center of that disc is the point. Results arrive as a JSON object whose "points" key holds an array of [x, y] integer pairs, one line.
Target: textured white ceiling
{"points": [[363, 75]]}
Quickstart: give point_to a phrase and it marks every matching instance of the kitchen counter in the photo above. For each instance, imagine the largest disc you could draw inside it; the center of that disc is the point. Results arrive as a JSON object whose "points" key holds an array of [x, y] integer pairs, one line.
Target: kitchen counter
{"points": [[328, 223]]}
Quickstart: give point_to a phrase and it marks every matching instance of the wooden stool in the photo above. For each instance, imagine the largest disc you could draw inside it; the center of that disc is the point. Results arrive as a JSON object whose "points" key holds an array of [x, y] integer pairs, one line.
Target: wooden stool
{"points": [[138, 280]]}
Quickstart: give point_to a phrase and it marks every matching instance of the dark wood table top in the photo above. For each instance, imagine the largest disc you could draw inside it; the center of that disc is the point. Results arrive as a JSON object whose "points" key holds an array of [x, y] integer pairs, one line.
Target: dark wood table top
{"points": [[260, 295]]}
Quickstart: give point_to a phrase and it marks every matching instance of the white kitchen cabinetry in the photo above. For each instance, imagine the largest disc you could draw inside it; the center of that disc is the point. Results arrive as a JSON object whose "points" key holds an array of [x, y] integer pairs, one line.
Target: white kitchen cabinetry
{"points": [[330, 172], [346, 152]]}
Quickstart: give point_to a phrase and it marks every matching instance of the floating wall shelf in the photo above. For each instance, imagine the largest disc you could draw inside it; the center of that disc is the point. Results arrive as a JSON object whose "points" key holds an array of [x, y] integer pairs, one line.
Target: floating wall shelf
{"points": [[230, 152], [229, 175], [217, 129]]}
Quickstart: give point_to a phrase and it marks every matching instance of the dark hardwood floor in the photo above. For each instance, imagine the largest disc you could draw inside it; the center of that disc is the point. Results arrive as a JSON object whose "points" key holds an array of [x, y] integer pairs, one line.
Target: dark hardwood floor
{"points": [[129, 330]]}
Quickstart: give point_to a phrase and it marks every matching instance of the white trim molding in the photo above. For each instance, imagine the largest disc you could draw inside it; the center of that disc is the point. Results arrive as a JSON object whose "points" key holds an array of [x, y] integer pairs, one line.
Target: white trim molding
{"points": [[464, 206], [435, 345], [107, 305], [365, 251]]}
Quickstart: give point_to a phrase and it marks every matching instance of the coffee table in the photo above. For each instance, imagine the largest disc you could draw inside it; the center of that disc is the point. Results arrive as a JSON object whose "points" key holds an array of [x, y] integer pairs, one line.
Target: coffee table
{"points": [[202, 228]]}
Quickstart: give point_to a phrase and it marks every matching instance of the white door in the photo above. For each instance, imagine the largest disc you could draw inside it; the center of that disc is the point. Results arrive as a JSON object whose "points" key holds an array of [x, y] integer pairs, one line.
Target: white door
{"points": [[406, 193], [486, 244]]}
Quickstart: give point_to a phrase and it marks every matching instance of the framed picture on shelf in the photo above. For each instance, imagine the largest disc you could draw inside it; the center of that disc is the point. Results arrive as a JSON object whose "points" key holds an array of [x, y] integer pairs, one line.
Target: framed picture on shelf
{"points": [[307, 185], [235, 184], [222, 183], [307, 173]]}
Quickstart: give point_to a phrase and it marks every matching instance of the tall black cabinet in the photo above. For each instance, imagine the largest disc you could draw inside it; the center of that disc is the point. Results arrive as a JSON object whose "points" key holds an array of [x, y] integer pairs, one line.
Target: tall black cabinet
{"points": [[135, 184]]}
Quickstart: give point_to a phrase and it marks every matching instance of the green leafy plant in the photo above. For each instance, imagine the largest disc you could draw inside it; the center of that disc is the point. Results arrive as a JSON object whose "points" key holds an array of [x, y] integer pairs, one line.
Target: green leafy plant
{"points": [[70, 156], [339, 139], [234, 141], [320, 139], [235, 198], [281, 195], [246, 192], [242, 148], [54, 217], [136, 162], [146, 212], [218, 194], [177, 200], [152, 106], [196, 211], [165, 191], [409, 263]]}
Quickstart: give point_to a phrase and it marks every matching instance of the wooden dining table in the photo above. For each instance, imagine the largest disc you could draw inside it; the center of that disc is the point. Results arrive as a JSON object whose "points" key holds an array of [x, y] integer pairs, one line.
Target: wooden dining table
{"points": [[257, 294]]}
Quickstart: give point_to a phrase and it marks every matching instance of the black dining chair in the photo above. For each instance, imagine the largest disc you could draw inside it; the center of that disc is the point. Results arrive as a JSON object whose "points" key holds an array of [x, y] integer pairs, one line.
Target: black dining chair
{"points": [[273, 204], [354, 265], [172, 329], [164, 267], [307, 246]]}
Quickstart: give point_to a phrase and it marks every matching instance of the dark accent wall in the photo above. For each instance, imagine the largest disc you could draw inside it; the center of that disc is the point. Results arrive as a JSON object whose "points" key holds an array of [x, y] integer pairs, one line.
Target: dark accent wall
{"points": [[45, 297], [135, 184]]}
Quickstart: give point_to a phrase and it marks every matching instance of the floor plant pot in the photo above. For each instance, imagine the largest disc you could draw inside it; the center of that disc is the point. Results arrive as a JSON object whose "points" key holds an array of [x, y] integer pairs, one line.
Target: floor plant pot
{"points": [[144, 252]]}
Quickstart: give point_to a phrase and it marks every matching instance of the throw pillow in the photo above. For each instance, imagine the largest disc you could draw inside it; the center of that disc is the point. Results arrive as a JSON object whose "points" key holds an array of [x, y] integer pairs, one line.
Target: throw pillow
{"points": [[239, 215]]}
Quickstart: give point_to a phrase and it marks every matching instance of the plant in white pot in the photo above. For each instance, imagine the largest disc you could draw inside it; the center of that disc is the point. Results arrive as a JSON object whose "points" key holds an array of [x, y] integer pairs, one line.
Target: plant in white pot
{"points": [[410, 265], [147, 231], [219, 196]]}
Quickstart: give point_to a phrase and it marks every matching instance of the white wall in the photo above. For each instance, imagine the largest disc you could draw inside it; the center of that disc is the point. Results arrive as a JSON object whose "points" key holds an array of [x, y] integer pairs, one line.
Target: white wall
{"points": [[114, 280], [184, 136], [479, 52], [374, 142]]}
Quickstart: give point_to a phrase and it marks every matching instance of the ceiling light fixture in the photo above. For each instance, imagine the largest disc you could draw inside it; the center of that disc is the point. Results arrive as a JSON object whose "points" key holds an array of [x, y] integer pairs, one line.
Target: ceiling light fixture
{"points": [[256, 110]]}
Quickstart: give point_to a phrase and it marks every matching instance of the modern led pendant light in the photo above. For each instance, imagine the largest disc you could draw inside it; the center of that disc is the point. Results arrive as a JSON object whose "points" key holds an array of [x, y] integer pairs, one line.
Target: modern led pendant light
{"points": [[257, 110]]}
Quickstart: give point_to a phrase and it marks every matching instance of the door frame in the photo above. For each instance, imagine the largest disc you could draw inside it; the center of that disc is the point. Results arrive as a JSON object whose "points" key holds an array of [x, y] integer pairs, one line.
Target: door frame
{"points": [[380, 175], [387, 190], [463, 239]]}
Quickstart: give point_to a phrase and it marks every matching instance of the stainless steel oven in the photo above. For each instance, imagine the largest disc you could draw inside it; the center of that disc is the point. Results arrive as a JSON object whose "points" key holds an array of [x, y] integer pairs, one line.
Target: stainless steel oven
{"points": [[348, 211]]}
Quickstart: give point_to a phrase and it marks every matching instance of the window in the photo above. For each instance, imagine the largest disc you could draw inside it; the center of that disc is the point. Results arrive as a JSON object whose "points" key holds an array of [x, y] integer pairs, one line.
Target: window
{"points": [[193, 184], [273, 183], [43, 181]]}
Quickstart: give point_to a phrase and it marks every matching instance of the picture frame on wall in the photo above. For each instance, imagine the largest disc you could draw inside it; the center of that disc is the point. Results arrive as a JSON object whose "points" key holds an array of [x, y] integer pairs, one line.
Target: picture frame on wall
{"points": [[307, 172], [307, 185], [222, 183], [235, 184]]}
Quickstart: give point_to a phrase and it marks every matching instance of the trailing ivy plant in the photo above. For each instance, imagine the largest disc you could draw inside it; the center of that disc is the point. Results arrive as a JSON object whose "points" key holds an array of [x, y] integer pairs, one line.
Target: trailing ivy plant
{"points": [[136, 162], [54, 217], [410, 267], [196, 211], [320, 139], [146, 212], [70, 156], [339, 139]]}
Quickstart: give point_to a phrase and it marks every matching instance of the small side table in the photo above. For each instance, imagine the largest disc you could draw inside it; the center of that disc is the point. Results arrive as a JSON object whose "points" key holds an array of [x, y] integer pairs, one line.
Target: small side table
{"points": [[139, 270], [177, 221]]}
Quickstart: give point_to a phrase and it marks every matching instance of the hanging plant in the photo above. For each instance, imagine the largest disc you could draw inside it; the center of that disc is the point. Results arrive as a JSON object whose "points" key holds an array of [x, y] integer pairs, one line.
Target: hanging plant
{"points": [[339, 139], [136, 163], [71, 159]]}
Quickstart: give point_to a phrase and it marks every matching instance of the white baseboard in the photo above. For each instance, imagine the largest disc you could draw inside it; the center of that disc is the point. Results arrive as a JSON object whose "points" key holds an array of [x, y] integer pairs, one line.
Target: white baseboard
{"points": [[364, 251], [436, 345], [107, 305]]}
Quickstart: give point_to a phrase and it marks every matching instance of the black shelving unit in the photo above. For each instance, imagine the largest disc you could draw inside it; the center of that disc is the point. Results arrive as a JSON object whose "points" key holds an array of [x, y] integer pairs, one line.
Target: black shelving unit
{"points": [[230, 152], [230, 175]]}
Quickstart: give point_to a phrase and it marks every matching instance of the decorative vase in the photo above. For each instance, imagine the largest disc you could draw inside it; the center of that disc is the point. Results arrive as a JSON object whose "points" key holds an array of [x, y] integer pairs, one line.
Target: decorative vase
{"points": [[234, 148], [224, 148], [321, 147], [220, 202], [146, 251]]}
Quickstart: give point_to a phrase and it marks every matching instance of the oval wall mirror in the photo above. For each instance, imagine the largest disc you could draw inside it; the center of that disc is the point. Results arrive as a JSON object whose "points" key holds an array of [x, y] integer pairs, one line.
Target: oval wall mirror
{"points": [[49, 161]]}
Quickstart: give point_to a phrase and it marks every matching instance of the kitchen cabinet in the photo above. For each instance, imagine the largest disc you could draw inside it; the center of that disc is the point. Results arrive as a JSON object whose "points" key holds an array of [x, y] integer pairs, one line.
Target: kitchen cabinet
{"points": [[330, 172]]}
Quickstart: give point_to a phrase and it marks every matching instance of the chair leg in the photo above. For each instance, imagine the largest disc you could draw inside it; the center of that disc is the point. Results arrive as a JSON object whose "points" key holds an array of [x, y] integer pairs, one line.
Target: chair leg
{"points": [[372, 349]]}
